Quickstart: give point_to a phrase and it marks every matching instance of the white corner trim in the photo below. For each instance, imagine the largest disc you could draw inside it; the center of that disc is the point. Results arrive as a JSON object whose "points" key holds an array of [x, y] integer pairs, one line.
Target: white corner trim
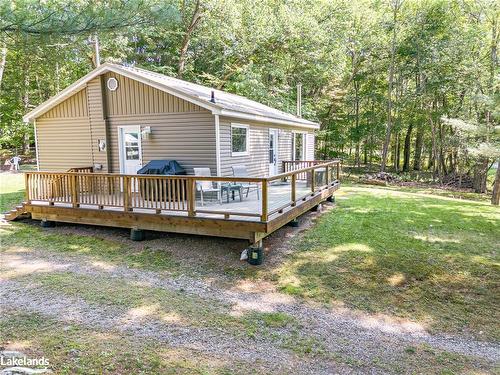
{"points": [[217, 145], [36, 147]]}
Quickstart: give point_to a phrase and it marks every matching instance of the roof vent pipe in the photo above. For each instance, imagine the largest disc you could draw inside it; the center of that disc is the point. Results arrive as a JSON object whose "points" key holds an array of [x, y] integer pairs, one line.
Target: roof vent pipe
{"points": [[299, 99], [212, 97], [97, 52]]}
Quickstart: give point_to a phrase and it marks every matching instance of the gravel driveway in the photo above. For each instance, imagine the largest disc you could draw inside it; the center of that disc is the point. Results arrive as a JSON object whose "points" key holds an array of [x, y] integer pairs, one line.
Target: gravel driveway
{"points": [[350, 342]]}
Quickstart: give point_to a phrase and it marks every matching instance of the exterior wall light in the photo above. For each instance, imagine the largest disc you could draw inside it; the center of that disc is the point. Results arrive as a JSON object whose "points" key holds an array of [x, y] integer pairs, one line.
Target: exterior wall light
{"points": [[146, 132]]}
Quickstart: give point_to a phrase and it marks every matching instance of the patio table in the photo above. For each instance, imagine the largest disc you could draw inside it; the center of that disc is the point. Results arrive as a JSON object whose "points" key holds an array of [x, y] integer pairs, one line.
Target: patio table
{"points": [[230, 188]]}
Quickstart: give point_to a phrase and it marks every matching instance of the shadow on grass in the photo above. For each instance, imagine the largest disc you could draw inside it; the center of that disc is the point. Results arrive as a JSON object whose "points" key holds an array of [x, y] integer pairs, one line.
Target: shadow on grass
{"points": [[426, 259], [28, 238]]}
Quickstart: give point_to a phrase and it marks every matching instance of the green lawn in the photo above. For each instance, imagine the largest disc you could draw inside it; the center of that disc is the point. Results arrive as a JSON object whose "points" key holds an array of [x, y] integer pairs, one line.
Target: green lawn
{"points": [[403, 253], [11, 190], [430, 259]]}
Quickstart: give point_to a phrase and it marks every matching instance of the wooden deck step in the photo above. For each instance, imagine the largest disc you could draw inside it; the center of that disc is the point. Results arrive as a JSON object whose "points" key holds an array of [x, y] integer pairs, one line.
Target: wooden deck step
{"points": [[16, 213]]}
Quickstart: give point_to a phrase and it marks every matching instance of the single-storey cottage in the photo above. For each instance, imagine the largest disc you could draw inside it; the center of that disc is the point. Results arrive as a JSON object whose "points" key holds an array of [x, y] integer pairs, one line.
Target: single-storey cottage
{"points": [[118, 118], [127, 147]]}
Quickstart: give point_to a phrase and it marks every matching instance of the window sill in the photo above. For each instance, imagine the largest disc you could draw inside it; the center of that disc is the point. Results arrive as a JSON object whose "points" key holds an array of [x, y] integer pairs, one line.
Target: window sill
{"points": [[239, 153]]}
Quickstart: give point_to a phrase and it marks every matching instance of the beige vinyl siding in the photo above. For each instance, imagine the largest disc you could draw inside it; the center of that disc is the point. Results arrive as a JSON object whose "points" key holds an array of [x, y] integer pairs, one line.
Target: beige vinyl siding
{"points": [[133, 97], [74, 106], [257, 160], [310, 146], [188, 138], [284, 148], [97, 122], [63, 143]]}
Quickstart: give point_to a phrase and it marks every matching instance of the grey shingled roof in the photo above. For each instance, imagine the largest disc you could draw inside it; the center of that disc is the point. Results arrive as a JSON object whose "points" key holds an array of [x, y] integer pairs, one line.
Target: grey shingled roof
{"points": [[223, 99]]}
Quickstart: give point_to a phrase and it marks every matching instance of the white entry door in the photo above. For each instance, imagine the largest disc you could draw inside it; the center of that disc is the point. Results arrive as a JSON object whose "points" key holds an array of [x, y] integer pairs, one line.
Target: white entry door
{"points": [[273, 152], [129, 139]]}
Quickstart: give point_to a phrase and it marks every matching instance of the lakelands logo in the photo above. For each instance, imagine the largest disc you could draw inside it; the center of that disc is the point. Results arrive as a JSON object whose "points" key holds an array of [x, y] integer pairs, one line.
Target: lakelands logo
{"points": [[24, 361]]}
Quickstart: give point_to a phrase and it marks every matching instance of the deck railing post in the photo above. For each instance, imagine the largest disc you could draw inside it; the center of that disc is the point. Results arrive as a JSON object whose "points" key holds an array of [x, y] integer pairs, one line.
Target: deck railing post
{"points": [[74, 190], [126, 193], [263, 215], [27, 187], [294, 189], [313, 181], [338, 171], [191, 197], [327, 177]]}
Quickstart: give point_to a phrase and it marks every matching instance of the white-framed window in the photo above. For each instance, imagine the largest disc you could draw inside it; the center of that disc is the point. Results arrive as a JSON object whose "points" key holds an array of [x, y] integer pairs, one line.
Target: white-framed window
{"points": [[299, 146], [240, 139]]}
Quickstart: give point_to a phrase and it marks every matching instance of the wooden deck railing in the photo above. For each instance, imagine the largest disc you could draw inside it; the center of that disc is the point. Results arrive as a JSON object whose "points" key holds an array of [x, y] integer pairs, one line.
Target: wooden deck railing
{"points": [[294, 165], [81, 169], [163, 194]]}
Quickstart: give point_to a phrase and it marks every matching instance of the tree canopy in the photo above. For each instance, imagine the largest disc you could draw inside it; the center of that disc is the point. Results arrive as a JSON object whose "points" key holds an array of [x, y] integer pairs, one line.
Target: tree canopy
{"points": [[390, 81]]}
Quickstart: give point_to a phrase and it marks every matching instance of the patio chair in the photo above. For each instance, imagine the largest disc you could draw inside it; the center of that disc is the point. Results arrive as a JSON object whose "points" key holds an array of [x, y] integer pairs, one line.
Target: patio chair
{"points": [[241, 171], [206, 186]]}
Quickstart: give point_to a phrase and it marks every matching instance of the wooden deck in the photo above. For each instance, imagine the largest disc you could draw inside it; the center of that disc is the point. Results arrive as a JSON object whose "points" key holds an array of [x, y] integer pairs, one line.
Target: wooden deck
{"points": [[173, 203]]}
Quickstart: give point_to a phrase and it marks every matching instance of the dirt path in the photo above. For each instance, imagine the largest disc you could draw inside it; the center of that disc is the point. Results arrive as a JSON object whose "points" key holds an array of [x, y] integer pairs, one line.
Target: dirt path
{"points": [[346, 336]]}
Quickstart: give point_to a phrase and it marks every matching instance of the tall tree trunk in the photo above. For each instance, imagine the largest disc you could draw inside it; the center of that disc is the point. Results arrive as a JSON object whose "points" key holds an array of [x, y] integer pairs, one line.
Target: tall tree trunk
{"points": [[407, 149], [495, 196], [442, 158], [397, 146], [365, 152], [3, 60], [396, 4], [195, 19], [430, 162], [480, 175], [26, 103], [419, 143]]}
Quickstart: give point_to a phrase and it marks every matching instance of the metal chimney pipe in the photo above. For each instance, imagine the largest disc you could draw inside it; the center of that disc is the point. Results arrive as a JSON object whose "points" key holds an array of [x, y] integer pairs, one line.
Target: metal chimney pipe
{"points": [[299, 99], [97, 53]]}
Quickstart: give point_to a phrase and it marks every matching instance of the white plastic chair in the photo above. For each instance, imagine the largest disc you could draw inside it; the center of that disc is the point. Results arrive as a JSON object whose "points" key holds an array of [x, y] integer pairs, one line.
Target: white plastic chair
{"points": [[206, 186], [241, 171]]}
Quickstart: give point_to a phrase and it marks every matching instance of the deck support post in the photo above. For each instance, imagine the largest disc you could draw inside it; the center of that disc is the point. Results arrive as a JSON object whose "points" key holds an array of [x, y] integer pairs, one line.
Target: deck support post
{"points": [[255, 253], [293, 223], [47, 223], [137, 234]]}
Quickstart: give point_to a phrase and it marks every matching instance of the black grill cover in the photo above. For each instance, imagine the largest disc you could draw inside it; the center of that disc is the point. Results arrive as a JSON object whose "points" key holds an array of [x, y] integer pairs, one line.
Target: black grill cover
{"points": [[165, 167]]}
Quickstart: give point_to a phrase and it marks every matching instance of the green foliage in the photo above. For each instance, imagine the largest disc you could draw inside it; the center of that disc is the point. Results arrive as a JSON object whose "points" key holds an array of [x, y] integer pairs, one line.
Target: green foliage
{"points": [[445, 64]]}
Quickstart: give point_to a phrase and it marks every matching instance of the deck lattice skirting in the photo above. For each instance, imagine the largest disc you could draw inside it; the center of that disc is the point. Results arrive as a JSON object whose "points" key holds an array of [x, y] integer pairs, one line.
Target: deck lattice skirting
{"points": [[171, 203]]}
